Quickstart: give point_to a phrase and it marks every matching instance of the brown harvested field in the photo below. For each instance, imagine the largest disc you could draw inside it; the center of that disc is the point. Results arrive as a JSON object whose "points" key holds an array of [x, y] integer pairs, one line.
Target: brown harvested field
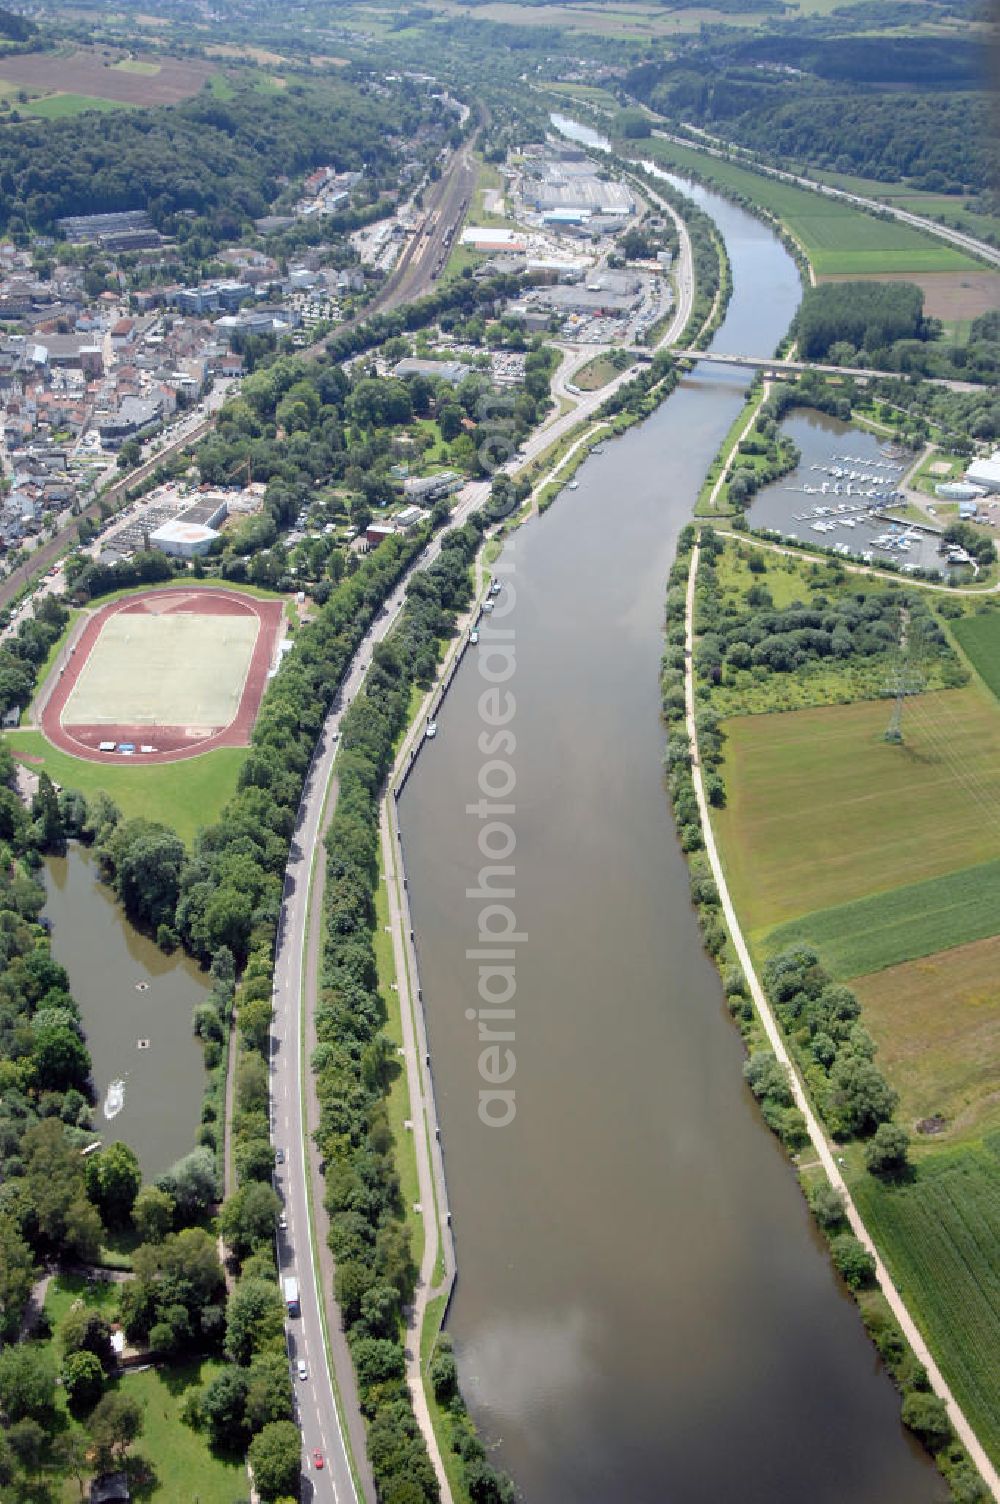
{"points": [[936, 1022], [254, 54], [90, 72], [947, 295]]}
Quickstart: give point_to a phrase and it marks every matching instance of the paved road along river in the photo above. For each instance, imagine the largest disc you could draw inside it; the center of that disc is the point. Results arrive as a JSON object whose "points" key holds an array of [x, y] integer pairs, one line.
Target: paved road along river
{"points": [[644, 1311]]}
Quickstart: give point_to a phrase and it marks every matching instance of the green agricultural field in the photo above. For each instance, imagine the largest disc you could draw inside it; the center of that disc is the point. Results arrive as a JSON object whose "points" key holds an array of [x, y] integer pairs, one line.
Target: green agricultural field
{"points": [[936, 1022], [58, 106], [823, 811], [979, 639], [952, 208], [940, 1237], [901, 924], [838, 239], [220, 87], [184, 795]]}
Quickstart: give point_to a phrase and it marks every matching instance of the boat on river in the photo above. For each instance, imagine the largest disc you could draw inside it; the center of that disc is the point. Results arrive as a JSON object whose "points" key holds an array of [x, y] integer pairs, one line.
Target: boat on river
{"points": [[114, 1099], [432, 729]]}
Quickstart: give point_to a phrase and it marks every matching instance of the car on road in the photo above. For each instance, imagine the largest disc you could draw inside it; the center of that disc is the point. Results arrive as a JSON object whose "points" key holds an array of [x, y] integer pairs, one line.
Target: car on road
{"points": [[302, 1370], [279, 1156], [283, 1222], [317, 1459]]}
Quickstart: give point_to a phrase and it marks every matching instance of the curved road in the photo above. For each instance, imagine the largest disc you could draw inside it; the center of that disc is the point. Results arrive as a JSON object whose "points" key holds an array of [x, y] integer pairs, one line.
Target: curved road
{"points": [[294, 998]]}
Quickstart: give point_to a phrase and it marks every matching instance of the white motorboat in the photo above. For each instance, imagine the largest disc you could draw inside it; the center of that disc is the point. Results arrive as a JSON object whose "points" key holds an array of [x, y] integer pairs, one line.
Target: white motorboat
{"points": [[114, 1099]]}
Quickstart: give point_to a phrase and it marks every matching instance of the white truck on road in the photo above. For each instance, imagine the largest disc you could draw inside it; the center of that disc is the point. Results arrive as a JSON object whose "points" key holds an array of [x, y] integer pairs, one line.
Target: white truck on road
{"points": [[290, 1285]]}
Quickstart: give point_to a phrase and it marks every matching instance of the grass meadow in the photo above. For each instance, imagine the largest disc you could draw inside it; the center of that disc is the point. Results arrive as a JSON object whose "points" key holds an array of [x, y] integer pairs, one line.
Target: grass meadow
{"points": [[59, 106], [595, 374], [185, 795], [174, 1455], [939, 1234], [837, 238], [823, 811], [169, 1454], [936, 1022], [979, 639]]}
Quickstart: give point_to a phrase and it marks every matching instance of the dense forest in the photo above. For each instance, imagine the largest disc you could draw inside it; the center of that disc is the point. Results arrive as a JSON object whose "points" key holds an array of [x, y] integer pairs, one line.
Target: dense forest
{"points": [[214, 158], [16, 28], [904, 109], [869, 315]]}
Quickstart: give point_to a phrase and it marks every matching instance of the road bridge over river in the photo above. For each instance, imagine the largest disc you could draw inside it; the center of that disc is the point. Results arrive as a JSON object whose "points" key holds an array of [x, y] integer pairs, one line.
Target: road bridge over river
{"points": [[774, 367]]}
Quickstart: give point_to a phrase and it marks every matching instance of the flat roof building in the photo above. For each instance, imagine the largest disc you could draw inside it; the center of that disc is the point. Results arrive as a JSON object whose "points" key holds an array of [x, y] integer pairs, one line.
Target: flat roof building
{"points": [[183, 540], [985, 473], [436, 370], [487, 238]]}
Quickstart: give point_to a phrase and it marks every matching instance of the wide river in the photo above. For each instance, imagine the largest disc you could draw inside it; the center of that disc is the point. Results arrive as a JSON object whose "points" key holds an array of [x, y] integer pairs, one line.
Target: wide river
{"points": [[644, 1311]]}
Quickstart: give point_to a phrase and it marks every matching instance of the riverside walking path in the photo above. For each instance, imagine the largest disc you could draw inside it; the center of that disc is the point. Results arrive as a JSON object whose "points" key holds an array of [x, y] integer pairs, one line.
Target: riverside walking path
{"points": [[817, 1136]]}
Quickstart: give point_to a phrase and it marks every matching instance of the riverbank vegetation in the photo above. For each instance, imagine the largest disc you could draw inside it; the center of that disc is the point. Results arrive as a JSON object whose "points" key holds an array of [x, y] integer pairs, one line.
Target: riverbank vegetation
{"points": [[895, 1060], [355, 1062], [752, 455]]}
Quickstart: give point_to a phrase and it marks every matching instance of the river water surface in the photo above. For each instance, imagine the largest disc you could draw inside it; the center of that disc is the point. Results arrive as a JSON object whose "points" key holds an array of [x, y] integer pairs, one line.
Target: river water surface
{"points": [[128, 991], [644, 1312]]}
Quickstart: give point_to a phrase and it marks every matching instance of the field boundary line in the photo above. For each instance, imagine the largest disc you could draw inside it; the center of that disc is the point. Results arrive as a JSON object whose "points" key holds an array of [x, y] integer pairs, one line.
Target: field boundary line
{"points": [[814, 1129]]}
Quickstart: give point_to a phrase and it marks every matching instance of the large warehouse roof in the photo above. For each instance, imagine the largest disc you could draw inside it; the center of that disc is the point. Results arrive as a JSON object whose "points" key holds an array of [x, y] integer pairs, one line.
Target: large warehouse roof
{"points": [[176, 532]]}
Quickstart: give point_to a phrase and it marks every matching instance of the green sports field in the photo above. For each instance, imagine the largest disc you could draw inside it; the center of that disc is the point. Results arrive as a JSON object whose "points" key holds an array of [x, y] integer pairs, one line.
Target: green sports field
{"points": [[823, 811], [169, 669], [838, 239]]}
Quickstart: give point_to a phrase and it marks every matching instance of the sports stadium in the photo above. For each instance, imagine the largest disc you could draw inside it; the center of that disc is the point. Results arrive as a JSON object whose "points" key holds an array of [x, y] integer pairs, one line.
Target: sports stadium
{"points": [[163, 675]]}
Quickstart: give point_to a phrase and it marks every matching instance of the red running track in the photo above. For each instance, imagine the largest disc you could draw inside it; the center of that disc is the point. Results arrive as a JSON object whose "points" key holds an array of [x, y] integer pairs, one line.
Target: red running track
{"points": [[173, 743]]}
